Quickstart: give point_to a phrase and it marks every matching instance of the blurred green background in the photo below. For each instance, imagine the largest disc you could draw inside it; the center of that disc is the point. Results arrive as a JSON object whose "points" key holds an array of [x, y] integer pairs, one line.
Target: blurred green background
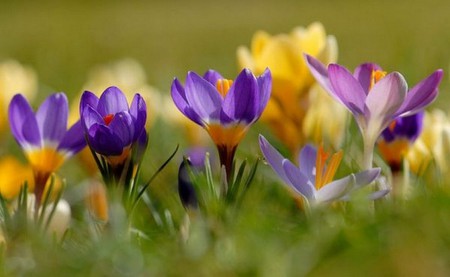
{"points": [[62, 40]]}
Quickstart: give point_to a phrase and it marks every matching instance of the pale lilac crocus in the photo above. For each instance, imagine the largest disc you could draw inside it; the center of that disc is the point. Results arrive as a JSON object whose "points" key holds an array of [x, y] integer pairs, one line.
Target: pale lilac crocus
{"points": [[313, 179], [374, 97]]}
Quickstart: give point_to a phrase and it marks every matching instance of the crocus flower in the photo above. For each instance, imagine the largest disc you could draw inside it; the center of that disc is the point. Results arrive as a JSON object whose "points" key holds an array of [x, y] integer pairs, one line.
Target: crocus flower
{"points": [[295, 96], [313, 179], [111, 126], [226, 109], [398, 138], [44, 136], [374, 97]]}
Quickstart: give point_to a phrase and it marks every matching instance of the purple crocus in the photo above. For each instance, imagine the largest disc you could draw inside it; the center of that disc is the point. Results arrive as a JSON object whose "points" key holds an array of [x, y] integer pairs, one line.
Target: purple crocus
{"points": [[44, 136], [313, 179], [374, 97], [396, 139], [226, 109], [111, 126]]}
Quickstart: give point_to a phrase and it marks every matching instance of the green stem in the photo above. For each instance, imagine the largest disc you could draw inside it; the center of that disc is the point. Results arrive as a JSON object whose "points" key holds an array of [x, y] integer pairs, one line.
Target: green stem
{"points": [[369, 146]]}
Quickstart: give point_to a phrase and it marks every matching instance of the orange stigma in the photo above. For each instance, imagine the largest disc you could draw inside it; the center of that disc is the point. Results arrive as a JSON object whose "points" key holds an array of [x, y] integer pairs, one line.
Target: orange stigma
{"points": [[376, 76], [223, 85], [324, 175], [108, 118]]}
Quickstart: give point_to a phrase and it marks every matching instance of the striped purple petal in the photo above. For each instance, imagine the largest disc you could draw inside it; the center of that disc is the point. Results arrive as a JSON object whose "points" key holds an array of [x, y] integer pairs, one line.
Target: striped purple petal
{"points": [[112, 101], [180, 101], [363, 73], [23, 122], [242, 102], [52, 117]]}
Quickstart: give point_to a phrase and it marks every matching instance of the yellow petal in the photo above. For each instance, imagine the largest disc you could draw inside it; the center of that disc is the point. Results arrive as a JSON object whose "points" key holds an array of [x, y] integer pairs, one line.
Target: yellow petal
{"points": [[245, 59], [259, 42], [13, 175]]}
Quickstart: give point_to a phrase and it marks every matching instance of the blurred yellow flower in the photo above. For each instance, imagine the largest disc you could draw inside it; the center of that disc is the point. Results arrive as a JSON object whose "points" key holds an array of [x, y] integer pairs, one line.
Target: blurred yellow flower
{"points": [[432, 144], [13, 175], [294, 95], [97, 201], [14, 78]]}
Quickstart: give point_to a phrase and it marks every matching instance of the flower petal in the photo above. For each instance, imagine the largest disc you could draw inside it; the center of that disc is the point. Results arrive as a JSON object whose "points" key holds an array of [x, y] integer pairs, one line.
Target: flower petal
{"points": [[307, 161], [366, 177], [378, 194], [320, 73], [385, 98], [180, 101], [88, 99], [335, 189], [273, 158], [52, 118], [363, 74], [203, 98], [212, 76], [73, 140], [421, 95], [138, 111], [298, 181], [242, 102], [112, 101], [122, 126], [104, 141], [265, 88], [22, 119], [90, 117], [347, 89]]}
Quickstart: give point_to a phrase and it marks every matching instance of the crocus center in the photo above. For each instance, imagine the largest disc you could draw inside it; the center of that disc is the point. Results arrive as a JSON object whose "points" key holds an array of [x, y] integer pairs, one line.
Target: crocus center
{"points": [[325, 174], [376, 76], [108, 118], [223, 85]]}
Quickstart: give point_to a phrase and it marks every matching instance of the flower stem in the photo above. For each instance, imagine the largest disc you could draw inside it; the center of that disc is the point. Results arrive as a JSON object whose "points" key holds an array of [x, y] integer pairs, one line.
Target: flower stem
{"points": [[369, 146]]}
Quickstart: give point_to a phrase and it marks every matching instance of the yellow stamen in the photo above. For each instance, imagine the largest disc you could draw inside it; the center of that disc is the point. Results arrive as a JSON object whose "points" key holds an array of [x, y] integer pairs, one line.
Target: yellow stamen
{"points": [[46, 159], [377, 75], [223, 85], [325, 176]]}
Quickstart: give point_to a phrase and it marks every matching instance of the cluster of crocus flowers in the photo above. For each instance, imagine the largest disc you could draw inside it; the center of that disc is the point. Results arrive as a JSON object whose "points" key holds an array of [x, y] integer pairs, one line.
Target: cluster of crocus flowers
{"points": [[44, 137], [396, 140], [226, 109], [312, 178], [374, 97], [113, 129], [297, 109]]}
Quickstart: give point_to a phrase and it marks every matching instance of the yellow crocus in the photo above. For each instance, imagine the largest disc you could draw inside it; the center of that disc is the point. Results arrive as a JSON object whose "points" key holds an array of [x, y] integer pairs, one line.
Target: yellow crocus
{"points": [[294, 94], [13, 175], [432, 144]]}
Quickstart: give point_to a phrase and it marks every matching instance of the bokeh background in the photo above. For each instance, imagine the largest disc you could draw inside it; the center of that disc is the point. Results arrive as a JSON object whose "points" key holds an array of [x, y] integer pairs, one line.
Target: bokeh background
{"points": [[62, 40]]}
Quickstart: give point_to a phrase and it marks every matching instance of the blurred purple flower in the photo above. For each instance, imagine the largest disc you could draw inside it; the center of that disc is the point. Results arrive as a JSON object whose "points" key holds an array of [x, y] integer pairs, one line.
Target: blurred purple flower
{"points": [[44, 136], [396, 139], [312, 179], [111, 126], [224, 108]]}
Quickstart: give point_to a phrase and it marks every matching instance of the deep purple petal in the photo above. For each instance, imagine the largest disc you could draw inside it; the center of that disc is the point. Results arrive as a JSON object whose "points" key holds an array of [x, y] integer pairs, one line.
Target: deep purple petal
{"points": [[52, 117], [320, 73], [212, 76], [421, 95], [307, 161], [138, 111], [104, 141], [123, 127], [408, 127], [112, 101], [347, 89], [273, 158], [336, 189], [74, 139], [265, 88], [203, 98], [90, 117], [298, 181], [22, 118], [363, 74], [180, 101], [386, 96], [242, 102]]}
